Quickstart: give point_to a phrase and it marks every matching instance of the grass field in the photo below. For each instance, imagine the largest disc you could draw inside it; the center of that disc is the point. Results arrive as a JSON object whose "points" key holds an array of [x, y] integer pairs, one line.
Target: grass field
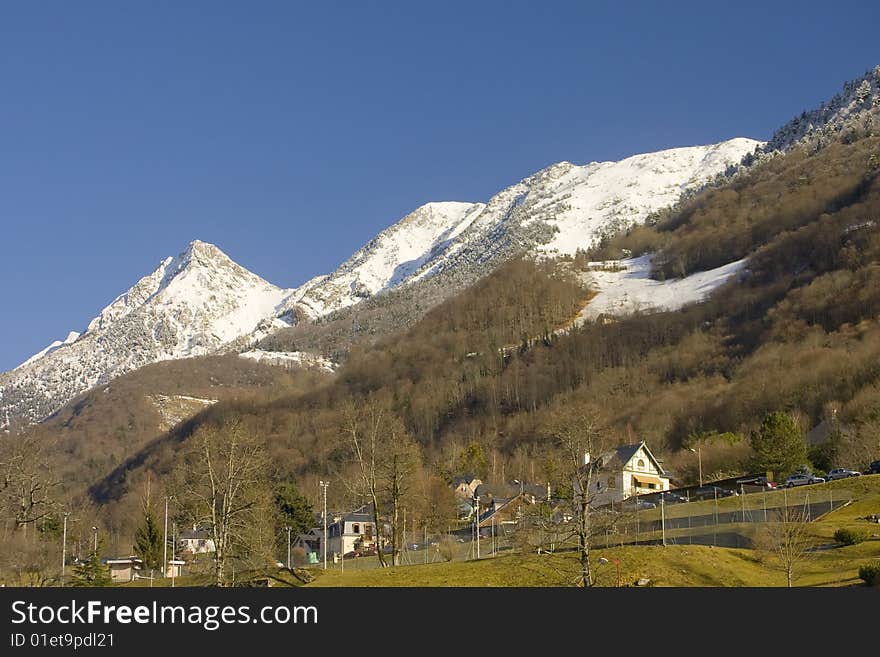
{"points": [[674, 565]]}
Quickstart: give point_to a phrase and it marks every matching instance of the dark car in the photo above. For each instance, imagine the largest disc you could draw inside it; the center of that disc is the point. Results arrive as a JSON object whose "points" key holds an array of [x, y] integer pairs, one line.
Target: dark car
{"points": [[874, 468], [670, 497], [638, 504], [711, 492]]}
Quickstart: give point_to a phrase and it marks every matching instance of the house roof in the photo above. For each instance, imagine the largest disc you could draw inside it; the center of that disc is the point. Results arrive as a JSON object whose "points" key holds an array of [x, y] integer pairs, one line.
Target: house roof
{"points": [[122, 561], [192, 535], [623, 454], [465, 479]]}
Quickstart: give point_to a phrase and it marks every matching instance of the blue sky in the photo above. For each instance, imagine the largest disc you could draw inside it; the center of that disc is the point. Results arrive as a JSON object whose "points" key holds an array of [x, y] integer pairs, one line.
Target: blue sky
{"points": [[290, 133]]}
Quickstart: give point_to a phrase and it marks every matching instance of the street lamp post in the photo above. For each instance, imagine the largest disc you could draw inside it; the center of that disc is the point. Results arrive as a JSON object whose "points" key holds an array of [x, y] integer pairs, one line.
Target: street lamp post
{"points": [[64, 546], [95, 532], [699, 454], [165, 543], [663, 517], [324, 485]]}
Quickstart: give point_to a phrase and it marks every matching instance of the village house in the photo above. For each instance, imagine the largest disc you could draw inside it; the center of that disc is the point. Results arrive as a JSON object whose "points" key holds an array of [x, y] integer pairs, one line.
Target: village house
{"points": [[624, 472], [195, 541], [465, 487], [124, 569], [174, 568], [310, 541], [352, 532]]}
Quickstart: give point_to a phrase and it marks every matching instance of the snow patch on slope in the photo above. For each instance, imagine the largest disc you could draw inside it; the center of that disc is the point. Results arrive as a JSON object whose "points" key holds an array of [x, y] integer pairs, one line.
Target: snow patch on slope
{"points": [[625, 287], [289, 358]]}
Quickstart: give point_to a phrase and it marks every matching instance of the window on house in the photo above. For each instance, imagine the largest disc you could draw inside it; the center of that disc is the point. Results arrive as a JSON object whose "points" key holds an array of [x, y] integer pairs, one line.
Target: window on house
{"points": [[368, 530], [612, 482], [641, 464], [356, 528]]}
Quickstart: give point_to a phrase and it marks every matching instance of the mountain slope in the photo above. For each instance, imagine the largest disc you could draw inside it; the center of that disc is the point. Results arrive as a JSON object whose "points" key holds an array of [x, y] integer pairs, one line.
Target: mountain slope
{"points": [[191, 305], [557, 210], [201, 302]]}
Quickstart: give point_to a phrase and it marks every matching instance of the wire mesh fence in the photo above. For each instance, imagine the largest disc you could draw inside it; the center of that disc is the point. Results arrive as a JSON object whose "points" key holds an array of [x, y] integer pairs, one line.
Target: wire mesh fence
{"points": [[725, 522]]}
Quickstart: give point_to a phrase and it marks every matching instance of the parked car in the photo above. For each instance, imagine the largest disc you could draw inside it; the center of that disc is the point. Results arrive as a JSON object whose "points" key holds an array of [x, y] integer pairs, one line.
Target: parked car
{"points": [[639, 504], [671, 497], [758, 481], [874, 468], [841, 473], [711, 492], [802, 479]]}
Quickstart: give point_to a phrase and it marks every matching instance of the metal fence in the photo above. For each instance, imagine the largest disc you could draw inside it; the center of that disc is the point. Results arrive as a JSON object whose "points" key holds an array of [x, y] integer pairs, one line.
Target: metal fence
{"points": [[724, 522], [728, 522]]}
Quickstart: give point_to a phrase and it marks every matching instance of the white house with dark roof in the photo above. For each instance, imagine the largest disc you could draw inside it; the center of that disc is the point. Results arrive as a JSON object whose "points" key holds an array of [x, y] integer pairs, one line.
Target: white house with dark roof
{"points": [[626, 471], [195, 541], [351, 532]]}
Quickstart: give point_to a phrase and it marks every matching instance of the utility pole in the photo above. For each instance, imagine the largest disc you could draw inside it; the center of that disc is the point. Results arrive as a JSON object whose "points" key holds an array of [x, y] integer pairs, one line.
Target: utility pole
{"points": [[324, 485], [715, 526], [173, 543], [95, 532], [699, 454], [64, 547], [477, 522], [742, 494], [288, 548], [663, 517], [165, 543]]}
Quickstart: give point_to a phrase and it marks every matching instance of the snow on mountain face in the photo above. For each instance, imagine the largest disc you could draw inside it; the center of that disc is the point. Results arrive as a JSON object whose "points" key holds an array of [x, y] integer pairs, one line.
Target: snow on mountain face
{"points": [[191, 305], [392, 256], [857, 97], [619, 194], [626, 286], [555, 211], [201, 302]]}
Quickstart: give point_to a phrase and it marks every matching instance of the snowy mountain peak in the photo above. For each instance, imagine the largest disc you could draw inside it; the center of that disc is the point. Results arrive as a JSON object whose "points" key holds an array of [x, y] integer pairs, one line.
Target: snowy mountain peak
{"points": [[192, 304], [557, 210], [201, 302]]}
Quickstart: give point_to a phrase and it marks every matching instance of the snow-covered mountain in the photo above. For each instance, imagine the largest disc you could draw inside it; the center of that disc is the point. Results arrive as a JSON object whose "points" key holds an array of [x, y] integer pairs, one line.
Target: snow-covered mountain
{"points": [[556, 211], [833, 116], [201, 302], [191, 305]]}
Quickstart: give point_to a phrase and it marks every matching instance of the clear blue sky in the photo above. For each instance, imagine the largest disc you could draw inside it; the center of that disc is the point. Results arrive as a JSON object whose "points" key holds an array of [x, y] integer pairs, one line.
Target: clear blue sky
{"points": [[290, 133]]}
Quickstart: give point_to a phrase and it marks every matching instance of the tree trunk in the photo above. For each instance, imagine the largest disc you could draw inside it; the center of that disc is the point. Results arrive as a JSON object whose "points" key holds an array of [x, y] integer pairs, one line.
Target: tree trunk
{"points": [[219, 558]]}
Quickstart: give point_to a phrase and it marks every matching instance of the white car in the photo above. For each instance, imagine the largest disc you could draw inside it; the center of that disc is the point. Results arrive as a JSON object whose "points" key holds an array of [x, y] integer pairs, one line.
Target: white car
{"points": [[801, 479], [842, 473]]}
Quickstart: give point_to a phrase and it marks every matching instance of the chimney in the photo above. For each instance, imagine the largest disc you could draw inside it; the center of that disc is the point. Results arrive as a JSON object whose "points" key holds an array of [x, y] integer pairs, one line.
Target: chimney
{"points": [[548, 491]]}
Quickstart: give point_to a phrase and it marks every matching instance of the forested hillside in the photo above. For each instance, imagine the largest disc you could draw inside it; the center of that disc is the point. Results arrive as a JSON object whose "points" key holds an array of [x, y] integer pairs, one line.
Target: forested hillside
{"points": [[476, 380]]}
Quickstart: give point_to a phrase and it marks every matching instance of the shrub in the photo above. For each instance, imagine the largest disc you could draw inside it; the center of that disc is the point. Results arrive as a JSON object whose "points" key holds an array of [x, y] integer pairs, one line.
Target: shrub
{"points": [[870, 573], [848, 536]]}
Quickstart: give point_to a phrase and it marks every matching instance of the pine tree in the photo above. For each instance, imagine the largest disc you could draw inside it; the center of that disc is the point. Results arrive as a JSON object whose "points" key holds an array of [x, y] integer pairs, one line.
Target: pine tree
{"points": [[294, 507], [778, 444], [91, 572], [148, 541]]}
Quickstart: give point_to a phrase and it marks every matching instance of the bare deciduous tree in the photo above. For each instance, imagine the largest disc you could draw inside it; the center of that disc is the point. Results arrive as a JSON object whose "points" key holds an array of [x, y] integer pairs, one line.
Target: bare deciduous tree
{"points": [[398, 462], [579, 441], [787, 541], [26, 480], [361, 430], [223, 487]]}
